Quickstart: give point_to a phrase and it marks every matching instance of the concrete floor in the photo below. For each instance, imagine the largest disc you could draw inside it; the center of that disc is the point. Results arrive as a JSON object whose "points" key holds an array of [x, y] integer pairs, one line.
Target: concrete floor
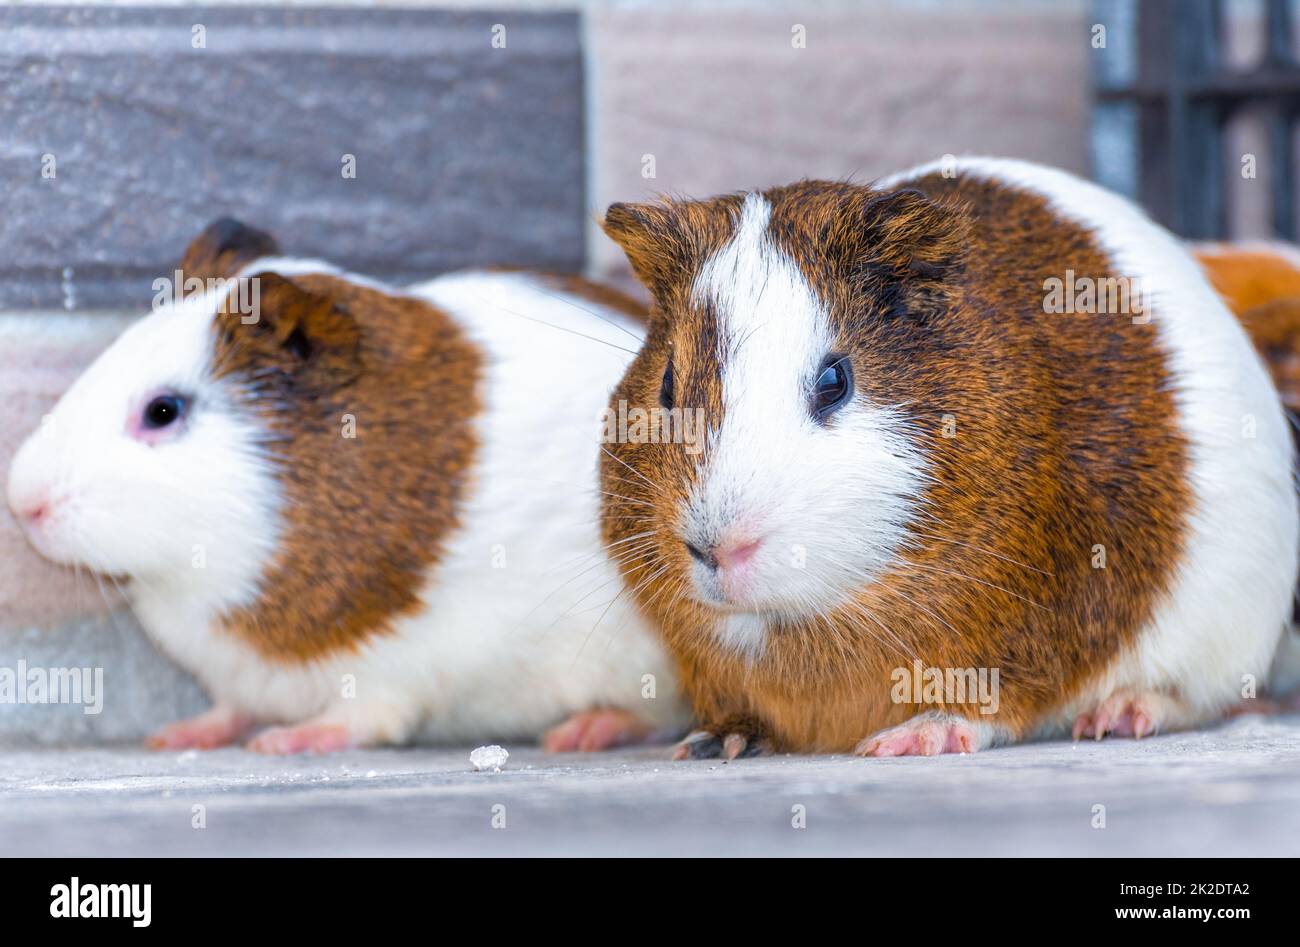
{"points": [[1234, 790]]}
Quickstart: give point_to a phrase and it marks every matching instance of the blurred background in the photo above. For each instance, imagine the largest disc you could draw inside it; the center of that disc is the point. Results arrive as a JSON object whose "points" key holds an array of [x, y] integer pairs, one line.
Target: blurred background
{"points": [[402, 139]]}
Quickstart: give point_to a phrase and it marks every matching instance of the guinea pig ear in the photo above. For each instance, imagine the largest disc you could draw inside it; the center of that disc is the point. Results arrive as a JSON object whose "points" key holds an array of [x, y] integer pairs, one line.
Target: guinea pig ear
{"points": [[912, 236], [651, 237], [224, 247], [296, 332]]}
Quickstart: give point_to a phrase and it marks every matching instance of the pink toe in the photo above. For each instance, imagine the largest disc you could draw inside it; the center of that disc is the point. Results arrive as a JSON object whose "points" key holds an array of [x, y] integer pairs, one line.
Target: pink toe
{"points": [[309, 738]]}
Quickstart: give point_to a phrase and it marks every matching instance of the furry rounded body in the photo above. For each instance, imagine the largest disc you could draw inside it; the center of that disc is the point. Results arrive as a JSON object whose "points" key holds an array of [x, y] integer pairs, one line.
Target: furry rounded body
{"points": [[1094, 503], [381, 522], [509, 637]]}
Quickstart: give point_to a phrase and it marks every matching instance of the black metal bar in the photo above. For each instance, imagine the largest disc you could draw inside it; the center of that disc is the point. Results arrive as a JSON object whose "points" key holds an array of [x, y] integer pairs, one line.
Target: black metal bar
{"points": [[1195, 126], [1278, 50], [1280, 54], [1282, 171], [1185, 96]]}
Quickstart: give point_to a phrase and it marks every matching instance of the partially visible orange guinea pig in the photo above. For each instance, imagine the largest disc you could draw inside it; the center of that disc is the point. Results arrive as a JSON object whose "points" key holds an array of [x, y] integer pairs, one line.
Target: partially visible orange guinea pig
{"points": [[1260, 282], [939, 506]]}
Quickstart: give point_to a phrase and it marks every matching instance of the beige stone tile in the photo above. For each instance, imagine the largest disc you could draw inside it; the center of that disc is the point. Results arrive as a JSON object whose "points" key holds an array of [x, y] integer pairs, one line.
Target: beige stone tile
{"points": [[723, 101], [40, 355]]}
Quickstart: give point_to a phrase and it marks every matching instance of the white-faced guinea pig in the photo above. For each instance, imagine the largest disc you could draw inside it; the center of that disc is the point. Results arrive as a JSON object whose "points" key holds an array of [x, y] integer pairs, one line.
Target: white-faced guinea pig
{"points": [[359, 515], [987, 460]]}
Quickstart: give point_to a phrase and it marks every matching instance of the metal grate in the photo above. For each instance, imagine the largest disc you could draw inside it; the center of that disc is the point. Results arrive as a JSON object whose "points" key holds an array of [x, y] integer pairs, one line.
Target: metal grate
{"points": [[1184, 95]]}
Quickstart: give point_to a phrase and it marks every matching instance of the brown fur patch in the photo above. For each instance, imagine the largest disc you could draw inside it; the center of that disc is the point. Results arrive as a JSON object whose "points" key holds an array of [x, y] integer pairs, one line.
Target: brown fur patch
{"points": [[1067, 437], [365, 517]]}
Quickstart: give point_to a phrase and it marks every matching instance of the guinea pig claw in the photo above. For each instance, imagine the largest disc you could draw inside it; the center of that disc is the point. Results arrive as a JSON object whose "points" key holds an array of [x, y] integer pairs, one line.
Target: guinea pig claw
{"points": [[923, 735], [699, 745], [733, 745], [1081, 725], [1134, 714]]}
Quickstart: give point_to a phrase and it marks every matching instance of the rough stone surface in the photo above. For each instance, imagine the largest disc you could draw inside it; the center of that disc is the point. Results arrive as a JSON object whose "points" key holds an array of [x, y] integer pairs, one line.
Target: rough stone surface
{"points": [[465, 153], [142, 690], [1230, 791]]}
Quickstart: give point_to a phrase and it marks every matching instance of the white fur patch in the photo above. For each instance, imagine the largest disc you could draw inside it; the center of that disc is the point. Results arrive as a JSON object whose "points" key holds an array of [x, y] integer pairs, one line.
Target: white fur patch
{"points": [[829, 502]]}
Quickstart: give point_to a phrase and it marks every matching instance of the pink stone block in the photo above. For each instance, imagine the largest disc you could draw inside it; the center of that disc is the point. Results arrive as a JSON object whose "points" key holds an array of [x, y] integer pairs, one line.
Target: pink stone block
{"points": [[723, 100], [40, 355]]}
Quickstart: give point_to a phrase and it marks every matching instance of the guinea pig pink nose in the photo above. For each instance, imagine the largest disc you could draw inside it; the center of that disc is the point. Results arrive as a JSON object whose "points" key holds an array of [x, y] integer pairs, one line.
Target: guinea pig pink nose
{"points": [[31, 511], [734, 555], [729, 555]]}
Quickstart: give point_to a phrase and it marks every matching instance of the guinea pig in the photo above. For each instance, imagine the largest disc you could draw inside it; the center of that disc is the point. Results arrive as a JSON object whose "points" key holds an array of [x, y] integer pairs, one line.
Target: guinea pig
{"points": [[359, 515], [988, 460], [1260, 282]]}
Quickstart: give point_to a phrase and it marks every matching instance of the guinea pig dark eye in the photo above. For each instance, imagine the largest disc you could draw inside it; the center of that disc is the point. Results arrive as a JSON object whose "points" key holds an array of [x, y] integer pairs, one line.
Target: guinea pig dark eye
{"points": [[833, 388], [163, 411], [666, 387]]}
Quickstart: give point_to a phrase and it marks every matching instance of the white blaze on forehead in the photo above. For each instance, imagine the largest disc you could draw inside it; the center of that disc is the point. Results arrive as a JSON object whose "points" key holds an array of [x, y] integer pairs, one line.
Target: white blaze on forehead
{"points": [[773, 334], [830, 503]]}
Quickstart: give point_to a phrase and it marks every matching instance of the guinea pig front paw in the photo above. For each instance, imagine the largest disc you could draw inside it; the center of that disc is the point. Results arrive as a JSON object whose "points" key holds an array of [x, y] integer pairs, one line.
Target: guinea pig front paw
{"points": [[733, 739], [219, 726], [1128, 713], [595, 730], [927, 734]]}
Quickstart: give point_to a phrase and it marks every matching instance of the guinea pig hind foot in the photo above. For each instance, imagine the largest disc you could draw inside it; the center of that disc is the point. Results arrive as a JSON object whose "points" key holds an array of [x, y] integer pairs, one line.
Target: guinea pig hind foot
{"points": [[1126, 713], [594, 730], [218, 726], [337, 728], [927, 734]]}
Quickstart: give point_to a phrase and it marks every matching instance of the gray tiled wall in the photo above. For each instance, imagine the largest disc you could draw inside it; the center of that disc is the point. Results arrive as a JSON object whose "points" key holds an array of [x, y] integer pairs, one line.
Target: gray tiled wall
{"points": [[466, 152]]}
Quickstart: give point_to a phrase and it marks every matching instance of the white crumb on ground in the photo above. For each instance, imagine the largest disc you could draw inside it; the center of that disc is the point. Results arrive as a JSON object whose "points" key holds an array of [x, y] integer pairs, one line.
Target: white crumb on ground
{"points": [[490, 757]]}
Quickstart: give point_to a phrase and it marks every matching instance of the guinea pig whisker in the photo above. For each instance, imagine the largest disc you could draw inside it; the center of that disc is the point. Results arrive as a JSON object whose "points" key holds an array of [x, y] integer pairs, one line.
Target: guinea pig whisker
{"points": [[591, 312], [969, 578], [913, 603], [648, 481], [552, 325], [623, 591], [989, 552], [567, 582], [635, 536], [837, 637], [602, 553], [590, 592], [860, 609]]}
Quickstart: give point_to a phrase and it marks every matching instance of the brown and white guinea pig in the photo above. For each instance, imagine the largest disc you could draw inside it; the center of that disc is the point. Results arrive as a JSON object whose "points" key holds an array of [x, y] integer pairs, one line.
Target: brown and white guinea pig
{"points": [[926, 478], [358, 514]]}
